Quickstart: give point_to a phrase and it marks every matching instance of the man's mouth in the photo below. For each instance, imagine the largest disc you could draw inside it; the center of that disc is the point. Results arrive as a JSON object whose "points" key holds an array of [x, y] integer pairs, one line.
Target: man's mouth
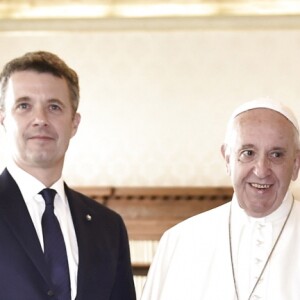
{"points": [[41, 137], [260, 186]]}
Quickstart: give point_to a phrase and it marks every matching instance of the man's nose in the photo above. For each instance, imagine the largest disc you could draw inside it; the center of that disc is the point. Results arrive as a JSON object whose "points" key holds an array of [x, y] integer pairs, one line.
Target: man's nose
{"points": [[262, 167], [40, 117]]}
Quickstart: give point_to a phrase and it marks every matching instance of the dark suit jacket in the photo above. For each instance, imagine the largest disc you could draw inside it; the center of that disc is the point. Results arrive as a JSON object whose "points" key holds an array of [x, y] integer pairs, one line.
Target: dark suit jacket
{"points": [[104, 270]]}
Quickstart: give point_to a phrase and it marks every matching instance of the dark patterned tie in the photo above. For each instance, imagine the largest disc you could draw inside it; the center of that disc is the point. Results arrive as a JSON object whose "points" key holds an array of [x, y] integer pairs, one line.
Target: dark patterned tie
{"points": [[55, 249]]}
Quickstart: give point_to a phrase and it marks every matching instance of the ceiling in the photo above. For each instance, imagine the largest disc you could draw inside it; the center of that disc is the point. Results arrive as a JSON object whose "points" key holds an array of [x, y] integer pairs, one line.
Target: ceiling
{"points": [[33, 9]]}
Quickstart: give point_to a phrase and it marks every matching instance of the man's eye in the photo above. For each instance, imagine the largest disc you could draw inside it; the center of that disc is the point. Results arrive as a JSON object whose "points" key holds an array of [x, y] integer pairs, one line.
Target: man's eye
{"points": [[23, 106], [276, 154], [246, 155], [55, 107]]}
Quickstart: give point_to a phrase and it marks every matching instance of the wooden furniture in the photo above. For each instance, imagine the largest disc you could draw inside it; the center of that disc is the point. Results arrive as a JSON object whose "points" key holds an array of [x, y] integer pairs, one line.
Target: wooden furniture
{"points": [[149, 211]]}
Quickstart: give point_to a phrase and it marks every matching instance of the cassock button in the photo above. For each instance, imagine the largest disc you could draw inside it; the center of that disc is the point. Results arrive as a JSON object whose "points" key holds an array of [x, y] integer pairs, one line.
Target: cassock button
{"points": [[50, 293], [88, 217], [257, 261], [259, 243], [261, 226]]}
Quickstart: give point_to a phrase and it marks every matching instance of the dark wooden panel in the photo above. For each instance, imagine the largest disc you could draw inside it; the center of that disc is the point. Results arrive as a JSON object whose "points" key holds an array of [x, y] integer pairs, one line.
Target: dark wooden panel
{"points": [[149, 211]]}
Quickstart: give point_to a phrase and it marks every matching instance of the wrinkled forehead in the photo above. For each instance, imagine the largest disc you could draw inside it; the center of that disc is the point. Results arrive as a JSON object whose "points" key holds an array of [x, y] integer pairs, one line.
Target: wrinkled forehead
{"points": [[263, 128], [262, 119]]}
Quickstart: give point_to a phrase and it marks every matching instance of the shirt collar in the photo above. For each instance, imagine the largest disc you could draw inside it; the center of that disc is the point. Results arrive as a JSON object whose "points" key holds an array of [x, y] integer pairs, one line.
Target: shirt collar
{"points": [[30, 186]]}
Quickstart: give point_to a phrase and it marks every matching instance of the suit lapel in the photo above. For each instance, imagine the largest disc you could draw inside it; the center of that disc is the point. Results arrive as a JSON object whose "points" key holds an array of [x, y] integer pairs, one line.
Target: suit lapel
{"points": [[14, 212], [79, 213], [83, 225]]}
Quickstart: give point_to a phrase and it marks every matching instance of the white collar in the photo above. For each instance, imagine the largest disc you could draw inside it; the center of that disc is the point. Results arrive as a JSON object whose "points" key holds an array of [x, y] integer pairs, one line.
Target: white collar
{"points": [[29, 185]]}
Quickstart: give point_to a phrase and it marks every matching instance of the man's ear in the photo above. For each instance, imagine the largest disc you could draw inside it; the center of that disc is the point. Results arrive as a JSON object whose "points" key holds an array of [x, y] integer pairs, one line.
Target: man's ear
{"points": [[76, 122], [2, 117], [226, 156], [296, 166]]}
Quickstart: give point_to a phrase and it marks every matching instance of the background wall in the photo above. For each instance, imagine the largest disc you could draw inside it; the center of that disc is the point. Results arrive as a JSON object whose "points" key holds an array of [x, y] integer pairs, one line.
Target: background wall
{"points": [[156, 95]]}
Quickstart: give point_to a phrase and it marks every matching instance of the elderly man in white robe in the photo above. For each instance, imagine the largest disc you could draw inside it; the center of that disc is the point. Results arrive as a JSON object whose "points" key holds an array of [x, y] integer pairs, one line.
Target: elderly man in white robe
{"points": [[248, 248]]}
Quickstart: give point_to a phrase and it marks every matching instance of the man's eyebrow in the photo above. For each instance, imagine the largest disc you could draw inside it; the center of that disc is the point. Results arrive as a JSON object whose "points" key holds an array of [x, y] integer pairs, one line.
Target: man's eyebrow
{"points": [[283, 149], [245, 146], [56, 101], [23, 98]]}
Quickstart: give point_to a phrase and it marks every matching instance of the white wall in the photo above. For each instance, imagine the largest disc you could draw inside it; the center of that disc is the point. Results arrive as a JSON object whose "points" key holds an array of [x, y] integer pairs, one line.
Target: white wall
{"points": [[155, 98]]}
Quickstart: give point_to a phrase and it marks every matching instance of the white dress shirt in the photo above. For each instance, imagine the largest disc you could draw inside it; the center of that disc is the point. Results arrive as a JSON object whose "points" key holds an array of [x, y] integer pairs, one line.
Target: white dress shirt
{"points": [[30, 188]]}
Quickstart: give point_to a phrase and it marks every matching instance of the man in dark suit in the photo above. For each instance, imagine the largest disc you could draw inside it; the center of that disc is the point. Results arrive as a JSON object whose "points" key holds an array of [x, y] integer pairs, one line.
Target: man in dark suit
{"points": [[39, 97]]}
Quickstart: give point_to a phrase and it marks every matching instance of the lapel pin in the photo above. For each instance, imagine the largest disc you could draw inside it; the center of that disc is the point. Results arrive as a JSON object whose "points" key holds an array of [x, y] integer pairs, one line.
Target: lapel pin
{"points": [[88, 217]]}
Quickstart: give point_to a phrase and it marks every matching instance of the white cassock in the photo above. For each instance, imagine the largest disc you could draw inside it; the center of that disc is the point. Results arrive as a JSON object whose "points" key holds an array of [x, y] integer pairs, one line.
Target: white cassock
{"points": [[193, 260]]}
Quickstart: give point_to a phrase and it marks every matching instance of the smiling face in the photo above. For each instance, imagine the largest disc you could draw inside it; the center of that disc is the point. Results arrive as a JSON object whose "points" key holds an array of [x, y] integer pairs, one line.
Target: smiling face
{"points": [[38, 120], [262, 159]]}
